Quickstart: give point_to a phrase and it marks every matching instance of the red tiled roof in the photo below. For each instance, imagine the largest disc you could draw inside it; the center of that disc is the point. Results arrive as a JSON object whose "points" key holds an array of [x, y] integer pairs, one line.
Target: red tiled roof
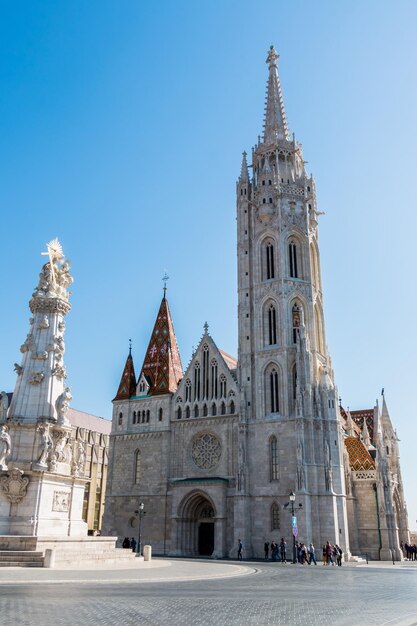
{"points": [[127, 386]]}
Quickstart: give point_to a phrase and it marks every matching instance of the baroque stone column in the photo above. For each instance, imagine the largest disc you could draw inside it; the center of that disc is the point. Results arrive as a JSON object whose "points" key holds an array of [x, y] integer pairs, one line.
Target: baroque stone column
{"points": [[43, 492]]}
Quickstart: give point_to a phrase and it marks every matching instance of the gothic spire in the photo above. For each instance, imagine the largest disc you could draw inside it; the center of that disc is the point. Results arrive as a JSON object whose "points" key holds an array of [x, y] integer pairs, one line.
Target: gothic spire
{"points": [[162, 365], [244, 173], [127, 386], [275, 126], [365, 433]]}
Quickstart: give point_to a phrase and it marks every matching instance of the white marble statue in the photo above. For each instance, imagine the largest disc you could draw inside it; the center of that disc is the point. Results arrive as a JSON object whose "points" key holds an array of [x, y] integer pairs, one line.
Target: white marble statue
{"points": [[46, 444], [4, 405], [62, 405], [5, 447]]}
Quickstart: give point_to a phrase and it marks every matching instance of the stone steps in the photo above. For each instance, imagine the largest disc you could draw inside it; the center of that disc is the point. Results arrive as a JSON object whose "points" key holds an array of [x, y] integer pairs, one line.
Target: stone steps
{"points": [[21, 558]]}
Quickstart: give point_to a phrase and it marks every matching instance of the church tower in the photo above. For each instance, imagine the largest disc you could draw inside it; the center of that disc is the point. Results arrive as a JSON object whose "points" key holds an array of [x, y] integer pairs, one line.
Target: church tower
{"points": [[287, 389]]}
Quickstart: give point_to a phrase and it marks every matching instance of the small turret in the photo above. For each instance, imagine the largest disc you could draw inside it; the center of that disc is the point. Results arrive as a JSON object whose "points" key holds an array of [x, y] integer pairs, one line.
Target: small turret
{"points": [[127, 386]]}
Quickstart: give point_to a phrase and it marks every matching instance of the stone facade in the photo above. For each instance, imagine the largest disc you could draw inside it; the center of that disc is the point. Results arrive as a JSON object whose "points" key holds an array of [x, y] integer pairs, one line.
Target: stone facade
{"points": [[214, 452]]}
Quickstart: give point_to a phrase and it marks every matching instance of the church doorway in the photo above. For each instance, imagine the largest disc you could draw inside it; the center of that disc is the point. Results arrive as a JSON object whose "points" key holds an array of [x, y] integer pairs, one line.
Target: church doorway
{"points": [[197, 526], [206, 538]]}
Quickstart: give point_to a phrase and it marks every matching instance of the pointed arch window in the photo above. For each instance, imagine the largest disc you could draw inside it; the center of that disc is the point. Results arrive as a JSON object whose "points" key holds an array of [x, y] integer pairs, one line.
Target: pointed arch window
{"points": [[232, 408], [196, 411], [275, 521], [188, 390], [187, 411], [214, 378], [296, 321], [272, 389], [179, 413], [205, 410], [269, 260], [272, 325], [148, 415], [160, 414], [214, 409], [292, 251], [134, 417], [197, 381], [222, 386], [205, 371], [273, 458], [138, 467], [223, 409], [120, 419]]}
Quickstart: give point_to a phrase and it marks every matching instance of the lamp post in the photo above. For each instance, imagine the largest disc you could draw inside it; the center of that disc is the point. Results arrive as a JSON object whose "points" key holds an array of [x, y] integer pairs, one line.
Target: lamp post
{"points": [[140, 514], [294, 528]]}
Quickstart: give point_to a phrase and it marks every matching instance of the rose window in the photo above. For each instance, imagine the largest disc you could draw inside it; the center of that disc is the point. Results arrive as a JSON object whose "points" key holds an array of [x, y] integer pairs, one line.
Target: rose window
{"points": [[206, 451]]}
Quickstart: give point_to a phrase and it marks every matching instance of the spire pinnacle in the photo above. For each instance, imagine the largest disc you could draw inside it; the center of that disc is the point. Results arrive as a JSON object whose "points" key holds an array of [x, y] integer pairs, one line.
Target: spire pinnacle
{"points": [[244, 174], [130, 347], [276, 126], [165, 278], [365, 433]]}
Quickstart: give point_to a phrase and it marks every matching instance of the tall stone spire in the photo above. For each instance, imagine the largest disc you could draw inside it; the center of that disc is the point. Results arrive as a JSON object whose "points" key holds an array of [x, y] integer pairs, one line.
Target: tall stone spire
{"points": [[365, 433], [244, 173], [127, 386], [162, 366], [41, 391], [275, 126]]}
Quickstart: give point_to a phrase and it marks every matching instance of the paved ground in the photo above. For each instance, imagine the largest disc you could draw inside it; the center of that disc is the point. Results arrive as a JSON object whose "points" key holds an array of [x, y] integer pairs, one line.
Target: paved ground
{"points": [[247, 594]]}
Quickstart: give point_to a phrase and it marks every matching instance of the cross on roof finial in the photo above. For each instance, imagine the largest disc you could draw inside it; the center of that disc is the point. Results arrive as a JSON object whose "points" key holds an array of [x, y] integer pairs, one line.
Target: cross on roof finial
{"points": [[130, 347], [206, 327], [165, 277]]}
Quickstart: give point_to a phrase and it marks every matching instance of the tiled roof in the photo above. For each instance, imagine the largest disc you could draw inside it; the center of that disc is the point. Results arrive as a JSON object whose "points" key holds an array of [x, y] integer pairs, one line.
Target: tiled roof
{"points": [[90, 422], [127, 386], [230, 361], [359, 457], [162, 365], [359, 416]]}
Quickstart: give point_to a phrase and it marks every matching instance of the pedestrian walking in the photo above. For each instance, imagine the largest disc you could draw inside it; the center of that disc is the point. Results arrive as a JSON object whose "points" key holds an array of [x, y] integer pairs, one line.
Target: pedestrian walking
{"points": [[339, 555], [283, 550], [266, 550], [133, 544], [126, 542], [312, 554], [239, 549]]}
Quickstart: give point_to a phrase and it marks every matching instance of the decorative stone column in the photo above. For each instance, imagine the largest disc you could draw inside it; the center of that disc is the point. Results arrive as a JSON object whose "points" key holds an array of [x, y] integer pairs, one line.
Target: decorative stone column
{"points": [[43, 492]]}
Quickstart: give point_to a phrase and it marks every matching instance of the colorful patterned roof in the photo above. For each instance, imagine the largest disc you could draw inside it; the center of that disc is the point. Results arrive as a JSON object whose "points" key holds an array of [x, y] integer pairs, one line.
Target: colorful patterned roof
{"points": [[359, 457], [162, 365], [359, 416], [127, 387]]}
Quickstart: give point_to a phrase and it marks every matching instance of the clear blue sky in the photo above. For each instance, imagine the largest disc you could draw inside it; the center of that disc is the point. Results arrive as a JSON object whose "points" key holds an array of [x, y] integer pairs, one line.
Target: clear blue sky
{"points": [[122, 127]]}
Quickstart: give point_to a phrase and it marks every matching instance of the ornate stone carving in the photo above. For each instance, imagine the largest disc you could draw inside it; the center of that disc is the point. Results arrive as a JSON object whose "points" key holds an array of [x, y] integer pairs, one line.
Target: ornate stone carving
{"points": [[27, 345], [328, 472], [79, 459], [4, 405], [18, 369], [59, 371], [36, 378], [14, 485], [5, 447], [61, 452], [61, 326], [40, 356], [206, 451], [46, 444], [62, 405], [61, 501], [44, 323]]}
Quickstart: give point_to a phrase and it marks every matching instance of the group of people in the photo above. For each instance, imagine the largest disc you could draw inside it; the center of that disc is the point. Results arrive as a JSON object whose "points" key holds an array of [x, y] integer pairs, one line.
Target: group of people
{"points": [[409, 550], [129, 543], [305, 555]]}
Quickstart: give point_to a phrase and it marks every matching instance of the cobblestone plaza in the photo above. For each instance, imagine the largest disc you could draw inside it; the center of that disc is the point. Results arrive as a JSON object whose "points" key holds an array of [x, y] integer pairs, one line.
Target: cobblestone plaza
{"points": [[188, 593]]}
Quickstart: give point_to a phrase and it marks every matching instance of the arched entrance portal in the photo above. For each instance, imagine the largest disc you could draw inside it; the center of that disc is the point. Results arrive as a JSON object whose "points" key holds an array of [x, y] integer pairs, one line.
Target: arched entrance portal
{"points": [[197, 526]]}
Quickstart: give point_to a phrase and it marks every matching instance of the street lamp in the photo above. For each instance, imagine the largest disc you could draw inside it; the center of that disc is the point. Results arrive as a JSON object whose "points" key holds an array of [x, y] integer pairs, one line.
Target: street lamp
{"points": [[140, 514]]}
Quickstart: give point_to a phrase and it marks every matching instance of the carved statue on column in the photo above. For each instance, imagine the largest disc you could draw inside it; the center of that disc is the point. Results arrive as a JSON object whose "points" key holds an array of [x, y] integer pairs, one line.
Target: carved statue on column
{"points": [[62, 405], [4, 405], [46, 444], [5, 447]]}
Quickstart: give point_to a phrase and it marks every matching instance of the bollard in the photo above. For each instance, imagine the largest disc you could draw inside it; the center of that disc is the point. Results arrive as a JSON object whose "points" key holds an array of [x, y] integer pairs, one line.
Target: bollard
{"points": [[147, 553], [49, 560]]}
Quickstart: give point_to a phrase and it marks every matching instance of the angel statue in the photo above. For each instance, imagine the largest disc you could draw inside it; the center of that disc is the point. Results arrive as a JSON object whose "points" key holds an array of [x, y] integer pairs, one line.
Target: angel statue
{"points": [[5, 447]]}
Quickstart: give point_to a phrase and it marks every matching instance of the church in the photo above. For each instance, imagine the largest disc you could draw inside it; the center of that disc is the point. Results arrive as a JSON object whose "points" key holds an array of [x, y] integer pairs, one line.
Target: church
{"points": [[256, 448]]}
